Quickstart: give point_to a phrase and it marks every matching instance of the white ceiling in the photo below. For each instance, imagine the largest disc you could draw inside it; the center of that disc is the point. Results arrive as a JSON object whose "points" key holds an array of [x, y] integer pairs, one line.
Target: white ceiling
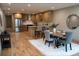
{"points": [[34, 8]]}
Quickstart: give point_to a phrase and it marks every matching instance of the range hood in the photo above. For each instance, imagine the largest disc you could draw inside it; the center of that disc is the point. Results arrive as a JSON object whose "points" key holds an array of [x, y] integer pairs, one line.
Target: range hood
{"points": [[29, 21]]}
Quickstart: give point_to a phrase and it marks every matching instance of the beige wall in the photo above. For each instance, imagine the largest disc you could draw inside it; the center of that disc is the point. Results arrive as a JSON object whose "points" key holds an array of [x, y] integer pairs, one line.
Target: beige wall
{"points": [[60, 17], [3, 20]]}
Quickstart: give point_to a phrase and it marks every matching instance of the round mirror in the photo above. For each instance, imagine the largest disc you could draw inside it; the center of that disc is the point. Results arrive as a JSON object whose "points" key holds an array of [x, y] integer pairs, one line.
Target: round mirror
{"points": [[72, 21]]}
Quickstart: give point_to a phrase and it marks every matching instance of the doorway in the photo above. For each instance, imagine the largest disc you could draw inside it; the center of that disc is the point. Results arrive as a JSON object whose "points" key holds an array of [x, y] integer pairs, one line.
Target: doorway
{"points": [[8, 22]]}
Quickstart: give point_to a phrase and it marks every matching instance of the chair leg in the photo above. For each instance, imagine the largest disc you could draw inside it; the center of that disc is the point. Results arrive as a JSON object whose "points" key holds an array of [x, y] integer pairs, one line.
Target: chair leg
{"points": [[70, 46], [49, 44], [63, 44], [66, 47], [43, 38], [45, 42]]}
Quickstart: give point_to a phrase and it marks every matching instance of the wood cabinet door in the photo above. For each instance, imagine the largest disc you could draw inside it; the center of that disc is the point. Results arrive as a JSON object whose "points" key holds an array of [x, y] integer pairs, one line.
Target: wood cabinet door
{"points": [[47, 17], [33, 18]]}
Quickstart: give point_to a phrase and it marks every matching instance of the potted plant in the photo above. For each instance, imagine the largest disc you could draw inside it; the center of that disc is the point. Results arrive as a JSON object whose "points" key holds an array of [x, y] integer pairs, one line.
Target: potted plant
{"points": [[53, 26]]}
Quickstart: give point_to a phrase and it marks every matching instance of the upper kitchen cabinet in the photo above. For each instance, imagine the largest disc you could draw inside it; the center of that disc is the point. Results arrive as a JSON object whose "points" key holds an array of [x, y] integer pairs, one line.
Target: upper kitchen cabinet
{"points": [[34, 18], [25, 17], [47, 16], [41, 17], [38, 18]]}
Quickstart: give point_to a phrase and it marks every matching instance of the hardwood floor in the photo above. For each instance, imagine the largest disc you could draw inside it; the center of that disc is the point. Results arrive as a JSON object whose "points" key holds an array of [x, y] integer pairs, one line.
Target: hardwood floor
{"points": [[21, 46]]}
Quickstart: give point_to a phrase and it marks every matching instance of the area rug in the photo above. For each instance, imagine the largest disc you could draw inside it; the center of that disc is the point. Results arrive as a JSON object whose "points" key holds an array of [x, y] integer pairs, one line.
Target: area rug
{"points": [[51, 51]]}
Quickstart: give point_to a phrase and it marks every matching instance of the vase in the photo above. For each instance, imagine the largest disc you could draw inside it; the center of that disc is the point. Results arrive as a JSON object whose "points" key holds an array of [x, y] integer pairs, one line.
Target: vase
{"points": [[54, 30]]}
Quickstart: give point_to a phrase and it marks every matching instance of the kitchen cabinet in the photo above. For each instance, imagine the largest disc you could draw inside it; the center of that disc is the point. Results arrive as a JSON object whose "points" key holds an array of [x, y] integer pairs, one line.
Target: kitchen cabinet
{"points": [[34, 18], [44, 17], [47, 16]]}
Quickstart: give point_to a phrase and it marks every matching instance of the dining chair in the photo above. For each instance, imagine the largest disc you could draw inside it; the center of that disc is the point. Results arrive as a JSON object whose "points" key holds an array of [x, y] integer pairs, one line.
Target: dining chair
{"points": [[47, 38], [43, 34], [68, 40], [38, 31]]}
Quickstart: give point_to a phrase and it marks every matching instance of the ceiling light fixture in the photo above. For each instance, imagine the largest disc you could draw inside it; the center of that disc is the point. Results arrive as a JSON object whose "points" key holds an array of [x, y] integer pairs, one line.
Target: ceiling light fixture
{"points": [[8, 8], [52, 7], [9, 4], [29, 5], [33, 13], [8, 12], [22, 9], [18, 15]]}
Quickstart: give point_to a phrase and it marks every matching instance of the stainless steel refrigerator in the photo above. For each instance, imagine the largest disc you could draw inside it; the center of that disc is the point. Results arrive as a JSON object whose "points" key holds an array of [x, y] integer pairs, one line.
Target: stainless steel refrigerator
{"points": [[18, 23]]}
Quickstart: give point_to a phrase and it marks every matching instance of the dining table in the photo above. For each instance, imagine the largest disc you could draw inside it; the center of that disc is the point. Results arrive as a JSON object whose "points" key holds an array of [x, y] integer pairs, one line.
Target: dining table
{"points": [[58, 36]]}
